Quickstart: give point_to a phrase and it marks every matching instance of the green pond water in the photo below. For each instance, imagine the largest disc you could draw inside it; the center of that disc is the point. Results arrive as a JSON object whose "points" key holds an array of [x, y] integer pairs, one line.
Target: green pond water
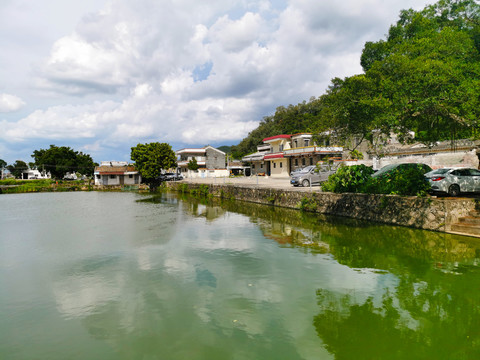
{"points": [[94, 275]]}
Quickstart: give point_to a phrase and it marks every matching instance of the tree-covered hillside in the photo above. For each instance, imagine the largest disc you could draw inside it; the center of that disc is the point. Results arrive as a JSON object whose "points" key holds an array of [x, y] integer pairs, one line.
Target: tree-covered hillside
{"points": [[424, 77]]}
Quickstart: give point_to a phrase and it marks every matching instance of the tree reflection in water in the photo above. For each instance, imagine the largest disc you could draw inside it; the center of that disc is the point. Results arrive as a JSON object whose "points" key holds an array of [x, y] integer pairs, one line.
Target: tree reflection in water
{"points": [[432, 311]]}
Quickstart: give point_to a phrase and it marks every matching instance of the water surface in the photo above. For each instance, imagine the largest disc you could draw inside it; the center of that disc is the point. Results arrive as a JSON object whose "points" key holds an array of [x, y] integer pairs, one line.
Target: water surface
{"points": [[119, 276]]}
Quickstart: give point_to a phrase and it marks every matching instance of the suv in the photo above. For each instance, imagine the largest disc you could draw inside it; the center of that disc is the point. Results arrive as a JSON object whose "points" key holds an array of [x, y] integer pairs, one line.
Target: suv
{"points": [[310, 176]]}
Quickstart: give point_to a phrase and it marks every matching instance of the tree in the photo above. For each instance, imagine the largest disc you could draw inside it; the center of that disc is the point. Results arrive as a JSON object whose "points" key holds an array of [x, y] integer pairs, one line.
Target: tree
{"points": [[3, 164], [192, 164], [17, 168], [150, 159], [60, 160], [429, 70]]}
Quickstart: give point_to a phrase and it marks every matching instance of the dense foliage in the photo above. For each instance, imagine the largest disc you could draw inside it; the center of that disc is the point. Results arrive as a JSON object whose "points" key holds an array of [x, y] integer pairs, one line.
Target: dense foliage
{"points": [[303, 117], [358, 179], [349, 179], [17, 168], [151, 159], [424, 77], [58, 160]]}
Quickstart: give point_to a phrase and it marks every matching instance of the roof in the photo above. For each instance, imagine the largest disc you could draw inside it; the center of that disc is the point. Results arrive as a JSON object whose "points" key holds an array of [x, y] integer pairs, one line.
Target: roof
{"points": [[277, 137], [115, 170], [274, 156], [197, 150]]}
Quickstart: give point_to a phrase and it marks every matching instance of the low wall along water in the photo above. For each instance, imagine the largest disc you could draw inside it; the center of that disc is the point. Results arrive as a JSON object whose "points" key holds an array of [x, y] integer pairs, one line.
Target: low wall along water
{"points": [[422, 213]]}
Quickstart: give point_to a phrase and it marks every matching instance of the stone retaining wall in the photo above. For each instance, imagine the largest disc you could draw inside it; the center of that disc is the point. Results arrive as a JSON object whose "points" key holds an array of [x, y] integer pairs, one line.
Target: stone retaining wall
{"points": [[423, 213]]}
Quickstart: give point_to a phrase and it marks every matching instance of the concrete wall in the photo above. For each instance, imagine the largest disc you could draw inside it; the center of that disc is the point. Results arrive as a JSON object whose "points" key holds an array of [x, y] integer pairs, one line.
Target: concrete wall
{"points": [[279, 168], [438, 160], [422, 213], [214, 159]]}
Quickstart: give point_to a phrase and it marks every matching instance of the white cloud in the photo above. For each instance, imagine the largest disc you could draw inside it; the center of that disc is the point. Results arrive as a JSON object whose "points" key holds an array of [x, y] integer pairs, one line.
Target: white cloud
{"points": [[186, 72], [9, 103]]}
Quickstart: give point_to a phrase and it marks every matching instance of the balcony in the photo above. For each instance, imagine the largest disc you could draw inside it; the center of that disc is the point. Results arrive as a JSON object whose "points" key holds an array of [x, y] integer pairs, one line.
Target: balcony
{"points": [[309, 150]]}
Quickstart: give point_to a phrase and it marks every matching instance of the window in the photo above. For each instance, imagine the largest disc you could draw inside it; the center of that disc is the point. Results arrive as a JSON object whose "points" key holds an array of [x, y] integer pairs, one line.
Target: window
{"points": [[306, 142], [303, 161], [261, 166], [296, 144], [130, 176], [296, 162], [253, 166], [281, 165], [311, 161], [274, 165], [280, 147], [98, 176], [112, 176]]}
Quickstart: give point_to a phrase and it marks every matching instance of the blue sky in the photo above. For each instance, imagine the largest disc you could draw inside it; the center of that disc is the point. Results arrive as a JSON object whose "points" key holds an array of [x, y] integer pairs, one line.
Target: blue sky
{"points": [[101, 76]]}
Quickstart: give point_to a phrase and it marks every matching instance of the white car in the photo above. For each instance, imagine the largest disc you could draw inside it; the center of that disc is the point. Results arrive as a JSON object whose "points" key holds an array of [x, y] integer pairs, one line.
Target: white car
{"points": [[454, 181]]}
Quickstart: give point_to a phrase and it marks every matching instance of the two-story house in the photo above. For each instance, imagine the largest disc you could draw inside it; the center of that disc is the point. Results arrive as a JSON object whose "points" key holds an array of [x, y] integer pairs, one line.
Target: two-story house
{"points": [[211, 162], [305, 152], [276, 163], [257, 164]]}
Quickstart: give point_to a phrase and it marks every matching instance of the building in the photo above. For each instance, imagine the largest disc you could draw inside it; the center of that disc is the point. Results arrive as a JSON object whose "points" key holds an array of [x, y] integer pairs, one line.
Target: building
{"points": [[257, 164], [281, 154], [113, 173], [304, 152], [32, 174], [211, 162], [276, 163]]}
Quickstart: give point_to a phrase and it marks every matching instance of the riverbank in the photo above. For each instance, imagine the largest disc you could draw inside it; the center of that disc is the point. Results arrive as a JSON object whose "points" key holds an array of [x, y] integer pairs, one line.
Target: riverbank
{"points": [[429, 213], [33, 186]]}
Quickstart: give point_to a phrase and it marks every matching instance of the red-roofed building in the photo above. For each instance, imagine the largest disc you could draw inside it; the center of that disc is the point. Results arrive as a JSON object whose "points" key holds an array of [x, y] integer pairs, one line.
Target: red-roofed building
{"points": [[276, 165]]}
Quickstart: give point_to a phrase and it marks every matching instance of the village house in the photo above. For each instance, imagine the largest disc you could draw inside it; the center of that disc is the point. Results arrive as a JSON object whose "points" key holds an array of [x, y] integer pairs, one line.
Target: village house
{"points": [[211, 162], [304, 152], [276, 163], [113, 173], [31, 174], [257, 164]]}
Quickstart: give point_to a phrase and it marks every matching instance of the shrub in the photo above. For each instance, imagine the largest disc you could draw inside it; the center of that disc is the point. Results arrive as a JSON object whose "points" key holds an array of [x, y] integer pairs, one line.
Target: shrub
{"points": [[407, 181], [358, 179], [348, 179]]}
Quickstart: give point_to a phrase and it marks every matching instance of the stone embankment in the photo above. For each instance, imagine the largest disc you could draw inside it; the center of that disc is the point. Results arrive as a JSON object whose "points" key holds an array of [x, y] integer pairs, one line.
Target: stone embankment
{"points": [[427, 213]]}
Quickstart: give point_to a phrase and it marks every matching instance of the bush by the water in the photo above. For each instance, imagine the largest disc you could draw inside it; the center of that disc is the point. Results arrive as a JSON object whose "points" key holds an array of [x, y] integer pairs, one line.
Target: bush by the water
{"points": [[358, 179], [348, 179]]}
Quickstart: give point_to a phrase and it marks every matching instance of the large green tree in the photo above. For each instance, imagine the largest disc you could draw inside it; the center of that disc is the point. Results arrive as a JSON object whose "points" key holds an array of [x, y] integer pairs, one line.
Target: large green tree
{"points": [[427, 72], [60, 160], [150, 159]]}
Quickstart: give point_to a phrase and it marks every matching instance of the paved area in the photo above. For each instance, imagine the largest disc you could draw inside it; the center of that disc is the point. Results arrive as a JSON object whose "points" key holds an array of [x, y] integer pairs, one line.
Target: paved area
{"points": [[253, 181]]}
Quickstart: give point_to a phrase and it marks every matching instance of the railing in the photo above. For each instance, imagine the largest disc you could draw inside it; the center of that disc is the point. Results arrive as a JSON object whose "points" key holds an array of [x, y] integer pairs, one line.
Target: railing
{"points": [[313, 149]]}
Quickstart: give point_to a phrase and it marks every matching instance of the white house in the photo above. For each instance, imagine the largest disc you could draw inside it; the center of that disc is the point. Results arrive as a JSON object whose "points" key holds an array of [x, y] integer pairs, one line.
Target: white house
{"points": [[112, 173], [32, 174], [211, 162]]}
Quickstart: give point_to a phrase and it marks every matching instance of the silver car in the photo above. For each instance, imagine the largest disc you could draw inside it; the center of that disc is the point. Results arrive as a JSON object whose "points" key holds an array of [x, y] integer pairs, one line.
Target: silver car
{"points": [[309, 176], [454, 181]]}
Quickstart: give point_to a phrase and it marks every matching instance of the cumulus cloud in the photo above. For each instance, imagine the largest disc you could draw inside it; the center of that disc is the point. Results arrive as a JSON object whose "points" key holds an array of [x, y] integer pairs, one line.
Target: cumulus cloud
{"points": [[9, 103], [189, 73]]}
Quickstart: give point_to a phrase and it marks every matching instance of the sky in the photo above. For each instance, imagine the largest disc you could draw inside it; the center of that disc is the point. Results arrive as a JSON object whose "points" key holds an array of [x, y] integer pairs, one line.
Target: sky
{"points": [[101, 76]]}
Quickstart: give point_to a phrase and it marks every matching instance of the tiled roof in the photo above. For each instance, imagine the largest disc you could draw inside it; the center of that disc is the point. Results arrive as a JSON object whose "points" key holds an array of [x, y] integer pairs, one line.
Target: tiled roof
{"points": [[277, 137], [115, 169]]}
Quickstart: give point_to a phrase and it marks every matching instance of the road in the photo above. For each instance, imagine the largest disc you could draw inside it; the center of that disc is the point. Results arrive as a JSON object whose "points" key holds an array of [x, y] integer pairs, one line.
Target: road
{"points": [[253, 181]]}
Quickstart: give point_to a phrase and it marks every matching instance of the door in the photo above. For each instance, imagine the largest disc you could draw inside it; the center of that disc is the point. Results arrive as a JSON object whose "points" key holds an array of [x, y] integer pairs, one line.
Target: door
{"points": [[476, 179]]}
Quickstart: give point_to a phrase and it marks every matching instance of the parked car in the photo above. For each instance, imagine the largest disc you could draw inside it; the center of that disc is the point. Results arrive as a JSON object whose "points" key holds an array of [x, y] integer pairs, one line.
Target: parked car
{"points": [[388, 169], [454, 181], [171, 177], [309, 176]]}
